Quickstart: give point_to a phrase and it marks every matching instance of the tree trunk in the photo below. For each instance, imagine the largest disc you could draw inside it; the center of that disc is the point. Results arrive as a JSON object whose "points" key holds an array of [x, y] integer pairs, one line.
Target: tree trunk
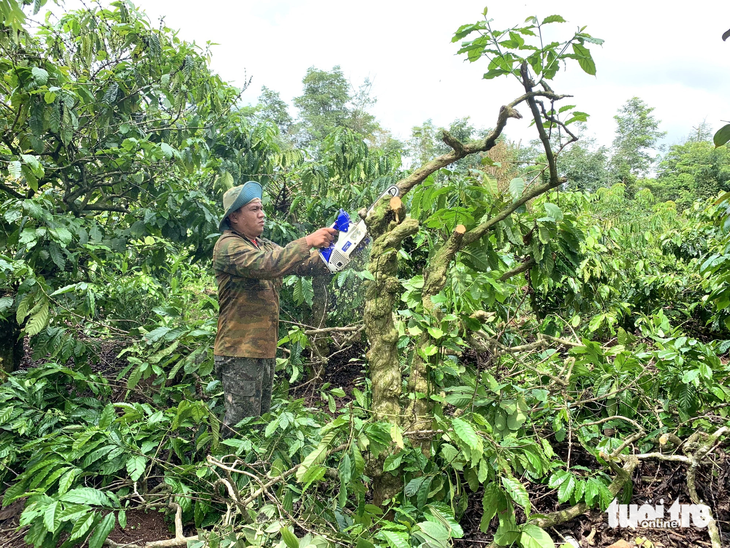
{"points": [[11, 345], [388, 227]]}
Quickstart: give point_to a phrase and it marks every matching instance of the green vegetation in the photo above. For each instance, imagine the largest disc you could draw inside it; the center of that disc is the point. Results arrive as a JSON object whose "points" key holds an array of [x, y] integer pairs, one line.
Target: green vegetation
{"points": [[525, 320]]}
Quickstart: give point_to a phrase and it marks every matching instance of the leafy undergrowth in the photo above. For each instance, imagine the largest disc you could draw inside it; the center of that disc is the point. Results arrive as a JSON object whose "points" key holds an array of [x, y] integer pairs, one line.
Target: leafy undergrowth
{"points": [[517, 433]]}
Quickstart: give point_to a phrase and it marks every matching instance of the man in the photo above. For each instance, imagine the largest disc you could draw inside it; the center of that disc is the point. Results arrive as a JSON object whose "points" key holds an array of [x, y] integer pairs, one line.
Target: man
{"points": [[249, 270]]}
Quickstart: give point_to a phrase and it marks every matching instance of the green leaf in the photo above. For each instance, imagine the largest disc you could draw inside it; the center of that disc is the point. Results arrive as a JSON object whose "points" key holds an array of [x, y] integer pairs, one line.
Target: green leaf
{"points": [[40, 76], [102, 531], [56, 256], [168, 151], [67, 480], [134, 377], [226, 180], [14, 169], [38, 320], [87, 495], [345, 469], [722, 136], [396, 539], [6, 413], [413, 486], [517, 492], [317, 456], [81, 526], [552, 19], [554, 212], [432, 531], [303, 291], [442, 513], [465, 432], [107, 416], [584, 58], [313, 474], [393, 462], [566, 489], [492, 496], [516, 187], [289, 538], [535, 537], [136, 467], [435, 332], [51, 516], [516, 420], [592, 490]]}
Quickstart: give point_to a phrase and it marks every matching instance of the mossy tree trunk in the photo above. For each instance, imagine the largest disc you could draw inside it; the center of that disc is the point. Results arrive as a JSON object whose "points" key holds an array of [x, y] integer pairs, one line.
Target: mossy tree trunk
{"points": [[388, 227]]}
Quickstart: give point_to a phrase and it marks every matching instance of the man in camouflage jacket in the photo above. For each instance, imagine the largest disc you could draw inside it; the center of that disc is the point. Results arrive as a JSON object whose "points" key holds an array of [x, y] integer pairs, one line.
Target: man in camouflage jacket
{"points": [[249, 271]]}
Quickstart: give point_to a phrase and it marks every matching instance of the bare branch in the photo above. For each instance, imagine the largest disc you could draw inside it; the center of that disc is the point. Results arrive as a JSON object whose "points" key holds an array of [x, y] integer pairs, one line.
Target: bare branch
{"points": [[527, 265]]}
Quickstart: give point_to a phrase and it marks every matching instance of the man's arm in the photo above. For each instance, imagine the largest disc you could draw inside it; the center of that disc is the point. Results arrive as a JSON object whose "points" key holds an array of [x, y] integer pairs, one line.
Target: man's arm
{"points": [[239, 258]]}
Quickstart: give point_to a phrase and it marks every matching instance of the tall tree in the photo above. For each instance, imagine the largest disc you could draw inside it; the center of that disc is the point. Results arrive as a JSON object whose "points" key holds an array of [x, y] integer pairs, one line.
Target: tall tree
{"points": [[323, 104], [462, 227], [328, 101], [637, 133], [273, 108], [360, 120]]}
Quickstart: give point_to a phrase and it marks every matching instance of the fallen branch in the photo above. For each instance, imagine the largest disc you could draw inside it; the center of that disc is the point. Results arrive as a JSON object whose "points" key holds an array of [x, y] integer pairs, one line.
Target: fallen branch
{"points": [[696, 448], [264, 486], [623, 475]]}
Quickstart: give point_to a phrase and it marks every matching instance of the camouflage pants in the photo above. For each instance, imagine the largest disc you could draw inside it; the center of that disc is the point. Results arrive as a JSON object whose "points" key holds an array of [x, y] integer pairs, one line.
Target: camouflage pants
{"points": [[247, 384]]}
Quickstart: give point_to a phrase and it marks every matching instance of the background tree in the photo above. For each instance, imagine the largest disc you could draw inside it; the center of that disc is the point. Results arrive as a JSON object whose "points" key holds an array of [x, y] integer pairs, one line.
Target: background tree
{"points": [[328, 102], [585, 164], [322, 105], [637, 132], [274, 109], [695, 170]]}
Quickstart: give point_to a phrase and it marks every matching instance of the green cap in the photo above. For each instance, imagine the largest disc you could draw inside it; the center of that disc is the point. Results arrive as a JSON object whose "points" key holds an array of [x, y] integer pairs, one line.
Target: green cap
{"points": [[237, 197]]}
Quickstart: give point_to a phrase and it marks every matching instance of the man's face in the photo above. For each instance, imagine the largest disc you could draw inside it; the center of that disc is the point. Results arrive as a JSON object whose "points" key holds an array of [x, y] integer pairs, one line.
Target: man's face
{"points": [[249, 219]]}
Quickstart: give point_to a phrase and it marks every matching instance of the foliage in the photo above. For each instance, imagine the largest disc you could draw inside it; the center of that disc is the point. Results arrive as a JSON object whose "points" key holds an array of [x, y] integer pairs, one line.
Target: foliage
{"points": [[531, 318], [110, 127], [693, 171]]}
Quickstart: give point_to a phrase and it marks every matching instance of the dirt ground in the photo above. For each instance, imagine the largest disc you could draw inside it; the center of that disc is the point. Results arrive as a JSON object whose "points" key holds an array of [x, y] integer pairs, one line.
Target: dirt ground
{"points": [[142, 527]]}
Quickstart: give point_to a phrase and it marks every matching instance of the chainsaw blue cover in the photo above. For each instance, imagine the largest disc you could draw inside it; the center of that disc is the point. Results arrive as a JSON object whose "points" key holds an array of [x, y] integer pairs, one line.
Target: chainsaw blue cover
{"points": [[342, 224], [343, 221]]}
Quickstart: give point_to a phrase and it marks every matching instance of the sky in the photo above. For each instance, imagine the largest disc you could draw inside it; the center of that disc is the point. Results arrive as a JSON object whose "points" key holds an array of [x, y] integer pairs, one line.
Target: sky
{"points": [[669, 54]]}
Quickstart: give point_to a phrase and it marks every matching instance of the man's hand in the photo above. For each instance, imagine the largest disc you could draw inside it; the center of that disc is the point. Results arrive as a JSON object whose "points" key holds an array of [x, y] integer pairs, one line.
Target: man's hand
{"points": [[322, 237]]}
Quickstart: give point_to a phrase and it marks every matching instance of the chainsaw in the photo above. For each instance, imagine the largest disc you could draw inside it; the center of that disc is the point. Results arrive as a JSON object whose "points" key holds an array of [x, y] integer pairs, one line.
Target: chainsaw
{"points": [[350, 237]]}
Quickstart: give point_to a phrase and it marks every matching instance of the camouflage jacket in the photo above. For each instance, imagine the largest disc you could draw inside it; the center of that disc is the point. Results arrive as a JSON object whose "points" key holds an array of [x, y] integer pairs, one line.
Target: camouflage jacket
{"points": [[249, 279]]}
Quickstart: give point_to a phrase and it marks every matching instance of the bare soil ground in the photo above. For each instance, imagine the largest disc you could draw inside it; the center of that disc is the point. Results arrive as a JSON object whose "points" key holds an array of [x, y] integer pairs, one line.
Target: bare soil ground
{"points": [[142, 527]]}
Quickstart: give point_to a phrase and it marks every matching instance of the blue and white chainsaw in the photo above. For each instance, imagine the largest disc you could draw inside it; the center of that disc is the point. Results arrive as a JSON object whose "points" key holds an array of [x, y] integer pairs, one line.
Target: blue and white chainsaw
{"points": [[351, 235]]}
